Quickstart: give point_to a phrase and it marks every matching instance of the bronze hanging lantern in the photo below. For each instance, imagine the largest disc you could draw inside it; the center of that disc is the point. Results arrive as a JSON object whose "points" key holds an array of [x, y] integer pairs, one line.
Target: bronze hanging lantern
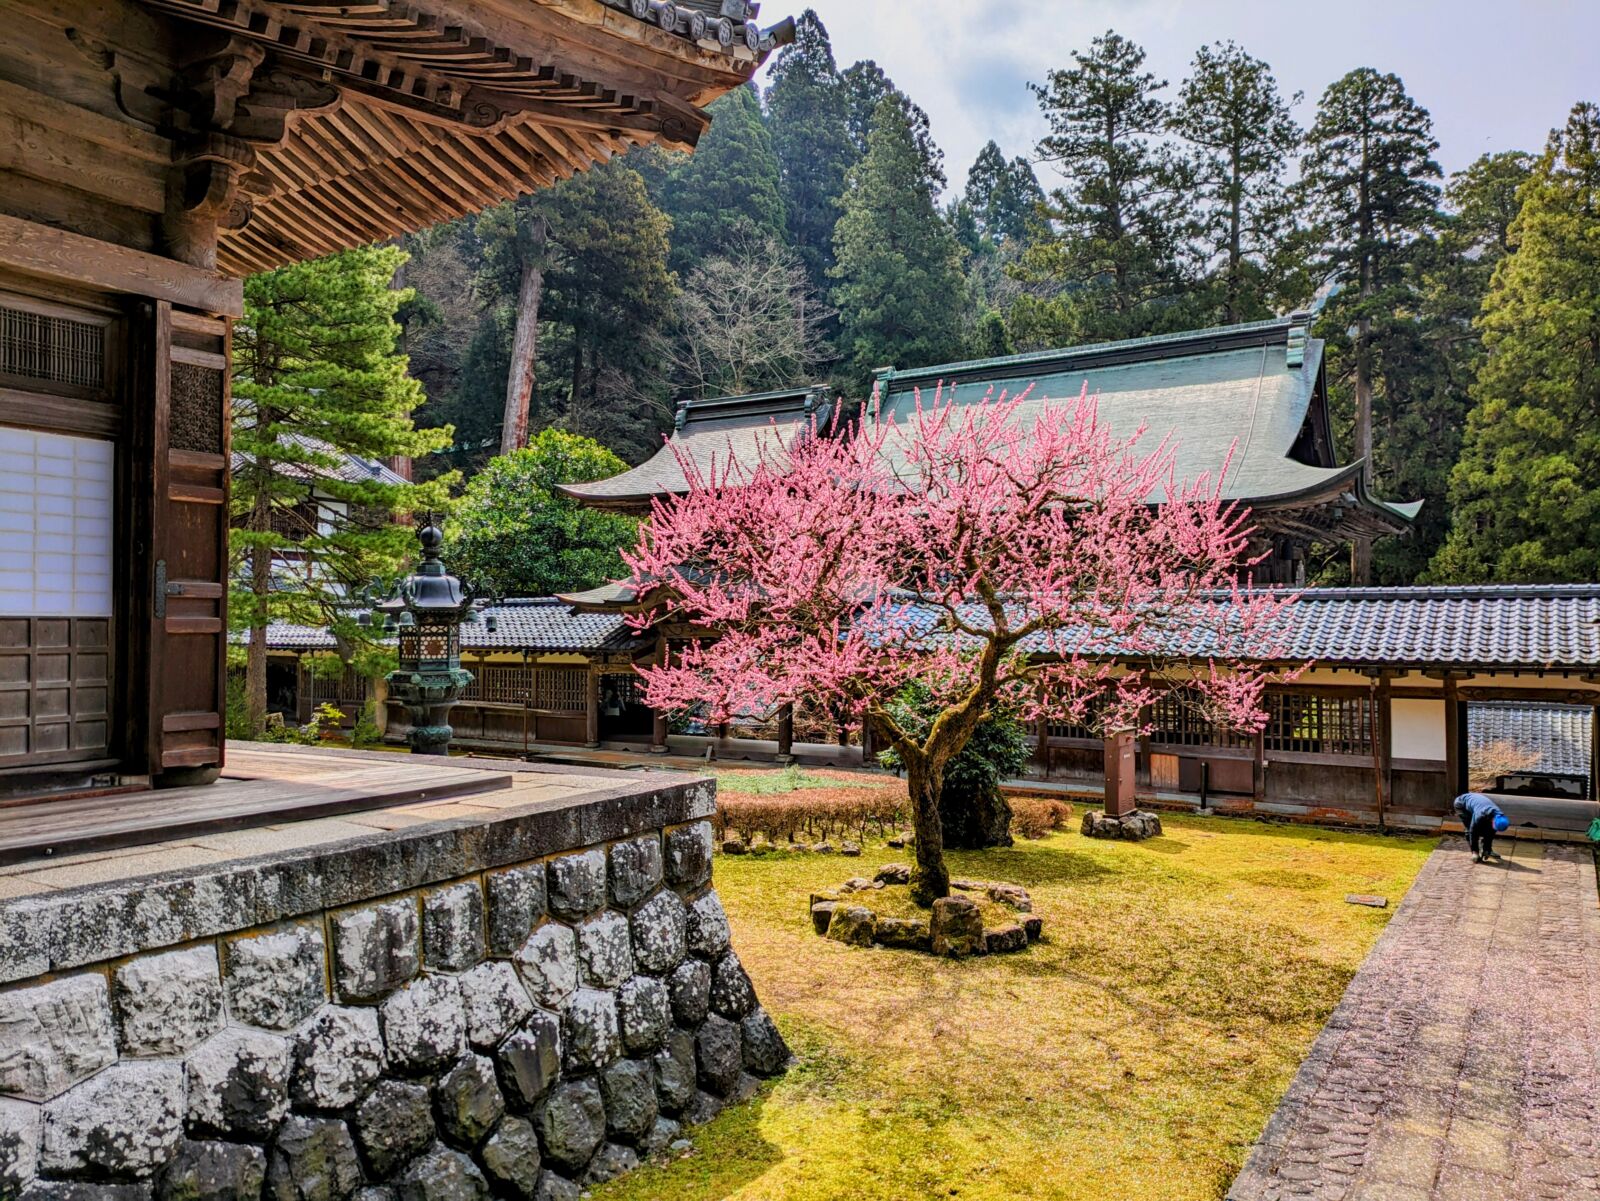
{"points": [[426, 612]]}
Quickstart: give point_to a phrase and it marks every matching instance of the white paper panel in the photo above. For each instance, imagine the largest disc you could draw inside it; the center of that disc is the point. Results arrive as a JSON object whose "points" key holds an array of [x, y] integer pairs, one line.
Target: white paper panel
{"points": [[55, 525]]}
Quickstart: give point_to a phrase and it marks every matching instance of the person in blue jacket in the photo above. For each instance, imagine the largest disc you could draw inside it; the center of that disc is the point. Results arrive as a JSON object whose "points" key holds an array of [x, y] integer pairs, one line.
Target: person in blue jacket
{"points": [[1483, 820]]}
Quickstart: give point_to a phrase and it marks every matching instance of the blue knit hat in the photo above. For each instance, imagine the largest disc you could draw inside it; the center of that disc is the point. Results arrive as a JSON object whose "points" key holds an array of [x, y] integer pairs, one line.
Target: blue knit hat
{"points": [[1502, 823]]}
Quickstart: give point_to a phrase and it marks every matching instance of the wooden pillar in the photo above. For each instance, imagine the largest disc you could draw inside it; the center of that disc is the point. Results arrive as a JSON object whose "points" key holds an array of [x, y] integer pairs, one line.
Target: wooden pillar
{"points": [[1382, 724], [591, 730], [786, 734], [1455, 766], [1120, 767], [1258, 770], [658, 732], [1594, 755]]}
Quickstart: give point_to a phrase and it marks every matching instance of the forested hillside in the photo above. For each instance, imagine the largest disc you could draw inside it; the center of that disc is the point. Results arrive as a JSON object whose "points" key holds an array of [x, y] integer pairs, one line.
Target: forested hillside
{"points": [[818, 233]]}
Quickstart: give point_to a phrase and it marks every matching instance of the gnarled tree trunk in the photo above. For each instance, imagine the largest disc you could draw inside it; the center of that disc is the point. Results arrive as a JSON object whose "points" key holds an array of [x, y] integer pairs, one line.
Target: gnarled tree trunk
{"points": [[930, 880], [524, 344]]}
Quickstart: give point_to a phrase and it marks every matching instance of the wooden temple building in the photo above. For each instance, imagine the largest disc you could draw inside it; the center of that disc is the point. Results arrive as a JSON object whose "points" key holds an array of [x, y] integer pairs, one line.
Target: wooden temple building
{"points": [[153, 152]]}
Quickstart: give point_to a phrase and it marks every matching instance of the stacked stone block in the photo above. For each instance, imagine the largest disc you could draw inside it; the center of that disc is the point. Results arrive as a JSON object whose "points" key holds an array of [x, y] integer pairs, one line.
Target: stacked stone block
{"points": [[523, 1032]]}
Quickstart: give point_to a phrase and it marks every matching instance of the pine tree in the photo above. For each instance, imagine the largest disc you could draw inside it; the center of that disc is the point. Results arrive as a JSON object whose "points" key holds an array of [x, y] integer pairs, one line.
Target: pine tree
{"points": [[318, 386], [729, 188], [514, 533], [1525, 500], [900, 292], [1232, 114], [1004, 198], [1121, 217], [808, 110], [1368, 180], [865, 86]]}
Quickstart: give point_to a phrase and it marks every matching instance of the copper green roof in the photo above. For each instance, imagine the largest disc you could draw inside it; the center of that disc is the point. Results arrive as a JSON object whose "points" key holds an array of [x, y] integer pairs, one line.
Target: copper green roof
{"points": [[709, 433]]}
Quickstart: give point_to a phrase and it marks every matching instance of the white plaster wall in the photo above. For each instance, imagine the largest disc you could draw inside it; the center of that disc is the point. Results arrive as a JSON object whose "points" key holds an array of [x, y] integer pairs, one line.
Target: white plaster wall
{"points": [[1417, 731]]}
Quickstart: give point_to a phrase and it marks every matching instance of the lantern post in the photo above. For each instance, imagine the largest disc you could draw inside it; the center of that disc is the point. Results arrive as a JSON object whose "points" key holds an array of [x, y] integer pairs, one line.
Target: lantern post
{"points": [[426, 611]]}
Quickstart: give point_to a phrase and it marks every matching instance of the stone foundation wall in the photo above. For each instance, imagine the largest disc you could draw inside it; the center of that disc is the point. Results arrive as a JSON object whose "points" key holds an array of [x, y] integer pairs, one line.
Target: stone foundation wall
{"points": [[432, 1015]]}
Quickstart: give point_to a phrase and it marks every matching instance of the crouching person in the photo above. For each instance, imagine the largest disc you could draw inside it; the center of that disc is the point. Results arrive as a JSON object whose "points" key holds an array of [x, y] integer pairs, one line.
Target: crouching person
{"points": [[1482, 819]]}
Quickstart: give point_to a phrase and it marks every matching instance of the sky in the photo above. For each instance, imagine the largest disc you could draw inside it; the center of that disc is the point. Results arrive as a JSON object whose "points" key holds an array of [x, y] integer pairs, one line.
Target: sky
{"points": [[1495, 74]]}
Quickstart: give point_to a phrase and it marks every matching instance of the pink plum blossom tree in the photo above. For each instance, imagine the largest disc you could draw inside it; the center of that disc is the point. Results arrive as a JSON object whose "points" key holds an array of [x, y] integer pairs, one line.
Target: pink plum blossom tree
{"points": [[992, 552]]}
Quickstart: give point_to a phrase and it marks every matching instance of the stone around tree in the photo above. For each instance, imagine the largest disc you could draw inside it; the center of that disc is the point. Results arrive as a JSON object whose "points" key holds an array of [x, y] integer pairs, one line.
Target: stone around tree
{"points": [[467, 1101], [375, 950], [636, 869], [168, 1003], [213, 1171], [275, 980], [392, 1124], [893, 873], [957, 927], [852, 925], [312, 1159], [529, 1061], [822, 915], [452, 927], [572, 1124], [1033, 926], [1132, 827], [127, 1121], [511, 1157], [442, 1175], [56, 1034], [516, 901], [1010, 937], [238, 1084], [903, 933], [338, 1055]]}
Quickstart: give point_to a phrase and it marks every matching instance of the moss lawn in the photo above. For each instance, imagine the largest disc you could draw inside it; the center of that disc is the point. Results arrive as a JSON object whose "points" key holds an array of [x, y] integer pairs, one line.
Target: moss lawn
{"points": [[1133, 1055]]}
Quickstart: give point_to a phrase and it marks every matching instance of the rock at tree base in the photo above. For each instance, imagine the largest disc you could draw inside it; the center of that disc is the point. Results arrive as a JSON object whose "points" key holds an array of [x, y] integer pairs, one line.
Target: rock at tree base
{"points": [[904, 933], [1132, 827], [1013, 895], [850, 850], [1010, 937], [894, 873], [957, 927], [852, 925], [1033, 926], [822, 914]]}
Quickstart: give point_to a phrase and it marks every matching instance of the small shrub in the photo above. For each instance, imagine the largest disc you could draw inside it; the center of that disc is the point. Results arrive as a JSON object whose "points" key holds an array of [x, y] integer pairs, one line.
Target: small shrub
{"points": [[1036, 816], [366, 731], [811, 814]]}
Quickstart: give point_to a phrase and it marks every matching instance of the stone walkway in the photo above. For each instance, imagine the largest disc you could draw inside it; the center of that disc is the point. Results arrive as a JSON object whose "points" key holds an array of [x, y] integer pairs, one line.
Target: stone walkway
{"points": [[1463, 1063]]}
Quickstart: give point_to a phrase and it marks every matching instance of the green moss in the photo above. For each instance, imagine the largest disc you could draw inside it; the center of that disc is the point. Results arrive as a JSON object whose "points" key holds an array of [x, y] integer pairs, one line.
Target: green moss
{"points": [[1133, 1054]]}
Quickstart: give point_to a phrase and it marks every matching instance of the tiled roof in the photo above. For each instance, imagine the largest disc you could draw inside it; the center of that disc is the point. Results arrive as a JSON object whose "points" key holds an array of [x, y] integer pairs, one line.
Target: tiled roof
{"points": [[1558, 736], [351, 468], [1531, 627], [709, 433], [534, 624]]}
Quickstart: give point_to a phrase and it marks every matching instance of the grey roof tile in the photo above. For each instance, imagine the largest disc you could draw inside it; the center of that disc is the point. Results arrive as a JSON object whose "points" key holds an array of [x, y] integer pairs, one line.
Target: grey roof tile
{"points": [[533, 624], [1558, 736]]}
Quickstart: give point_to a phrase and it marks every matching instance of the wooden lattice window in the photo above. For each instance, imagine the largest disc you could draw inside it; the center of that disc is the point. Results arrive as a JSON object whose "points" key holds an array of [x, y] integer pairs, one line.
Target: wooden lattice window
{"points": [[48, 345], [498, 684], [1320, 723], [561, 689], [1177, 720], [348, 687], [196, 416], [628, 687]]}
